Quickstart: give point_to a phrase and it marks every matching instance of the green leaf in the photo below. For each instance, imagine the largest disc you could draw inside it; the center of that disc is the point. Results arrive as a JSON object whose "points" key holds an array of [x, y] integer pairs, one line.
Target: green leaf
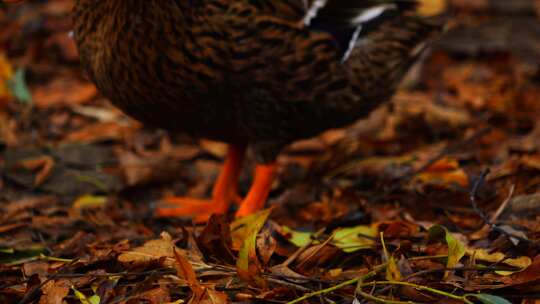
{"points": [[95, 299], [489, 299], [354, 238], [19, 89], [80, 296], [248, 264], [456, 249], [392, 269], [298, 238]]}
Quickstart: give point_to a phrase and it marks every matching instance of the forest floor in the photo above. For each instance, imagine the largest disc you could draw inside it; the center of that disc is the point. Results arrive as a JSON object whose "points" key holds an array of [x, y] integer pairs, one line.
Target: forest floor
{"points": [[434, 198]]}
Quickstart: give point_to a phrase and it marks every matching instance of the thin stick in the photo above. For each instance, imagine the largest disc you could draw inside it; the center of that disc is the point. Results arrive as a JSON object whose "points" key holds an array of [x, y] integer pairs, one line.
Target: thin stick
{"points": [[340, 285], [485, 218], [419, 287], [504, 204]]}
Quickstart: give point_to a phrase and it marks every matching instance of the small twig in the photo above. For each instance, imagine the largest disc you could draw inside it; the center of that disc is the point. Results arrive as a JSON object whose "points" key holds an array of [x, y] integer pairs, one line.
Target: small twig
{"points": [[368, 296], [444, 152], [320, 246], [481, 179], [289, 284], [504, 204], [419, 287], [375, 271], [340, 285], [297, 253]]}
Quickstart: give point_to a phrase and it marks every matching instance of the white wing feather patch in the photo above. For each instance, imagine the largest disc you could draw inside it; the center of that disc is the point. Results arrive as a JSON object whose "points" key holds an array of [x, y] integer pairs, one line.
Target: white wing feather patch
{"points": [[314, 10], [372, 13], [358, 21], [352, 44]]}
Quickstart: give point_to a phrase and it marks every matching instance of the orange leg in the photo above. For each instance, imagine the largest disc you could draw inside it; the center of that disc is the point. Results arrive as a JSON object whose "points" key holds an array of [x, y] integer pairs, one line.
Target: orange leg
{"points": [[258, 193], [225, 191]]}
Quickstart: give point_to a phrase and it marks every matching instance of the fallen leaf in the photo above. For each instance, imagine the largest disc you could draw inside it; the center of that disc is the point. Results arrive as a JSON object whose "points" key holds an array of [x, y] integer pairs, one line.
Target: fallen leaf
{"points": [[298, 238], [19, 89], [99, 132], [185, 271], [456, 249], [42, 164], [215, 240], [248, 264], [489, 299], [445, 171], [94, 299], [64, 92], [392, 269], [354, 238], [499, 258], [156, 296], [201, 294], [155, 250], [54, 291], [529, 275], [89, 202]]}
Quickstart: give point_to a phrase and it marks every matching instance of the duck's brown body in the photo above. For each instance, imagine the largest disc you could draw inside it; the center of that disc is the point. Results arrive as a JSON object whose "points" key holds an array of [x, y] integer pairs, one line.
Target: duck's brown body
{"points": [[234, 71], [247, 72]]}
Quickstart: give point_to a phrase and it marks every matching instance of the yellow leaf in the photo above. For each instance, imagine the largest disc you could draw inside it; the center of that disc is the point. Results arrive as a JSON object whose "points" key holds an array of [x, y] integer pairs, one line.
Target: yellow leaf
{"points": [[499, 257], [392, 270], [248, 264], [89, 202], [354, 238], [456, 249], [298, 238]]}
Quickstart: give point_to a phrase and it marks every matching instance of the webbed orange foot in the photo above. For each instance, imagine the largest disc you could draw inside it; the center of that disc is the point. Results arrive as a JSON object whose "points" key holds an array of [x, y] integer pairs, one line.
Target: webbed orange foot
{"points": [[224, 192]]}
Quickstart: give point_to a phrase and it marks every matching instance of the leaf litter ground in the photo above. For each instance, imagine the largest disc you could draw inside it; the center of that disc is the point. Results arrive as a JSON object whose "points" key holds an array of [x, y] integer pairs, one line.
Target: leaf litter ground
{"points": [[399, 207]]}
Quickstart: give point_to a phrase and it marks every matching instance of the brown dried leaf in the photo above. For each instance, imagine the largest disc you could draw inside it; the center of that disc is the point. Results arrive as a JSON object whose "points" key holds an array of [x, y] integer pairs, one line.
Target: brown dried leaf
{"points": [[54, 291], [42, 164], [155, 250], [100, 132], [185, 271], [201, 294], [64, 92], [156, 296], [215, 240], [529, 275]]}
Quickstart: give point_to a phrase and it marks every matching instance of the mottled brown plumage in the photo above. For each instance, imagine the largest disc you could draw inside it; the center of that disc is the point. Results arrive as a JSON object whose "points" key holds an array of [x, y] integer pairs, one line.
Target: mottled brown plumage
{"points": [[247, 72]]}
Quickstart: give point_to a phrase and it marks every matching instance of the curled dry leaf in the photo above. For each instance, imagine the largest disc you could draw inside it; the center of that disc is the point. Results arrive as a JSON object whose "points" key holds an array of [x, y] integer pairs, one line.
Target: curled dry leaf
{"points": [[446, 171], [155, 250], [456, 249], [54, 291], [246, 230], [355, 238], [499, 258], [529, 275], [201, 294], [43, 165], [215, 240], [64, 92], [98, 132]]}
